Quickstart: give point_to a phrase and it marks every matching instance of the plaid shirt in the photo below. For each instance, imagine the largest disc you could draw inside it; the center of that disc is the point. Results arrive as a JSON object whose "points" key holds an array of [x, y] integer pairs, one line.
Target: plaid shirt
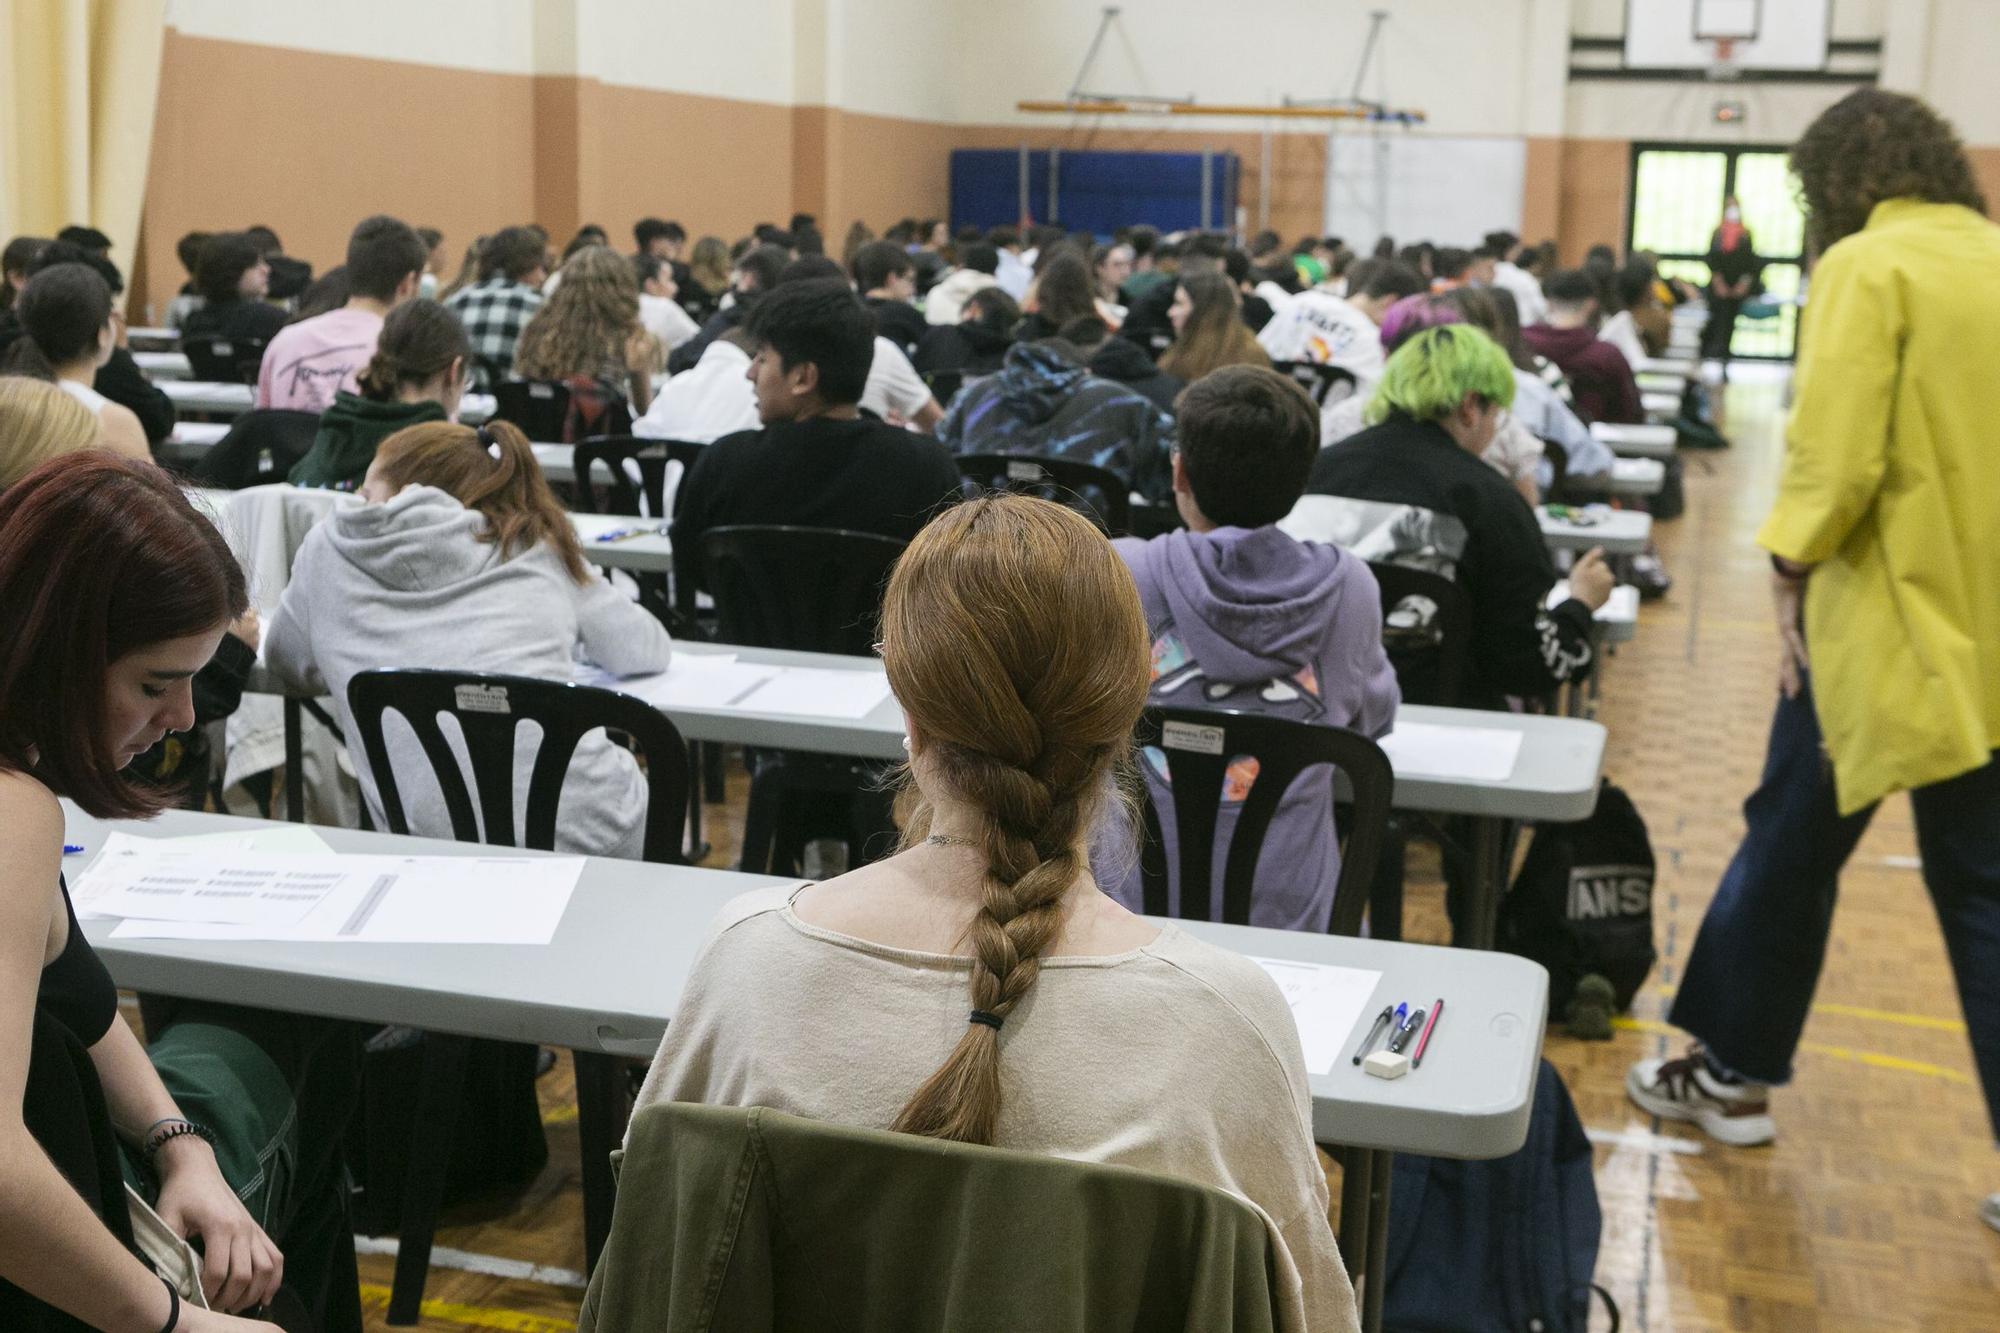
{"points": [[494, 313]]}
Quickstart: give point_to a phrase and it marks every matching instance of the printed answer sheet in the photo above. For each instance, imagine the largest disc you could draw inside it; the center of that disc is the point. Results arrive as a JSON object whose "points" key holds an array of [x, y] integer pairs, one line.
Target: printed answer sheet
{"points": [[1326, 1003], [1475, 754]]}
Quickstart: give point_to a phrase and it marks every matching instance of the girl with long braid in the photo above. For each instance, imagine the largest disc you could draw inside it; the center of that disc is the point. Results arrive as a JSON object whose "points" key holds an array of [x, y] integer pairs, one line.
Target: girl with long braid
{"points": [[977, 986]]}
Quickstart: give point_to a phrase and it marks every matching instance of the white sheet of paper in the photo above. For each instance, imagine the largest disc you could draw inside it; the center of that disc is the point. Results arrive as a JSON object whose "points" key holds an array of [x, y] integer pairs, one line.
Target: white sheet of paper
{"points": [[226, 894], [714, 680], [1327, 1002], [284, 838], [1476, 754], [818, 692]]}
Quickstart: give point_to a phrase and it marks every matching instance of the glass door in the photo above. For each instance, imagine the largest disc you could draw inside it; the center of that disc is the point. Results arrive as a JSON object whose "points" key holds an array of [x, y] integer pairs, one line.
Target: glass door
{"points": [[1677, 196]]}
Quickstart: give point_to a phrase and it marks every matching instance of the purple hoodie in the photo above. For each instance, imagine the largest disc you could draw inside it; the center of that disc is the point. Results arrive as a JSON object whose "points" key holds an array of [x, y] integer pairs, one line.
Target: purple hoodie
{"points": [[1251, 620]]}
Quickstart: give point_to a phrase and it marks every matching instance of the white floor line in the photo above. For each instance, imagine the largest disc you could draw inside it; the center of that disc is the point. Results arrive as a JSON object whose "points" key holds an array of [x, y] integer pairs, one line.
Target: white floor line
{"points": [[486, 1265], [1634, 1137]]}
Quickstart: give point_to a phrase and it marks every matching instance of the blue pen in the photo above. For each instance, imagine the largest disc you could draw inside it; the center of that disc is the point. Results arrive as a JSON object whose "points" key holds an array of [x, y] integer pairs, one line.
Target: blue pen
{"points": [[614, 534], [69, 850]]}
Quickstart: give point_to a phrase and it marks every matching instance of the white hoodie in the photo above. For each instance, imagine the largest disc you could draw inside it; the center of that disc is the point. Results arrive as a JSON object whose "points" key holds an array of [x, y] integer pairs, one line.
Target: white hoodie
{"points": [[409, 584]]}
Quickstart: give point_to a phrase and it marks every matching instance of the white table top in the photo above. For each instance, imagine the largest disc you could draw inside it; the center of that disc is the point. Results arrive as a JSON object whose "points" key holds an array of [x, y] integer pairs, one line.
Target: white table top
{"points": [[613, 975], [1648, 441], [1618, 531], [164, 365], [164, 339], [1685, 367], [1661, 406], [1555, 777], [235, 399], [1618, 617], [1637, 476]]}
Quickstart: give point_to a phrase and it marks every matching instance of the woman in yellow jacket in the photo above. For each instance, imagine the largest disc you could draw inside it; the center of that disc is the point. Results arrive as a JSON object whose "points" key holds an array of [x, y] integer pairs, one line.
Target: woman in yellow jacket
{"points": [[1886, 532]]}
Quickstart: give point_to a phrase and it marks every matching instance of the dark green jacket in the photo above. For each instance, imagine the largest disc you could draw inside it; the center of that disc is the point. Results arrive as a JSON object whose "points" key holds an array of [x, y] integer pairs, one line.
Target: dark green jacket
{"points": [[750, 1221], [349, 432]]}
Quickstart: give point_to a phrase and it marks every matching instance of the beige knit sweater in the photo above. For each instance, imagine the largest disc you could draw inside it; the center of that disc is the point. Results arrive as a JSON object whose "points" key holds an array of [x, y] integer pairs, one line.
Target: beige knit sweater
{"points": [[1178, 1057]]}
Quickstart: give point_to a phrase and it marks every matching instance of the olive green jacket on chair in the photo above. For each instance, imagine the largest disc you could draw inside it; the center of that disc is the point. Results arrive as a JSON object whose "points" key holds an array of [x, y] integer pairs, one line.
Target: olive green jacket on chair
{"points": [[750, 1221]]}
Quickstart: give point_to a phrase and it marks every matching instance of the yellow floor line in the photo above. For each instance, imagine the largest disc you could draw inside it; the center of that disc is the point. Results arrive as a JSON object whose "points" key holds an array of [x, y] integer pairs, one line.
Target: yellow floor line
{"points": [[474, 1316], [1873, 1059], [1873, 1015], [559, 1115]]}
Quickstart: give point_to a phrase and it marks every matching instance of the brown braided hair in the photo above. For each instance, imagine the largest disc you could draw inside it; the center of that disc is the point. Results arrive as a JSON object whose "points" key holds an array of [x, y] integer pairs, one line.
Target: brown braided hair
{"points": [[1013, 636]]}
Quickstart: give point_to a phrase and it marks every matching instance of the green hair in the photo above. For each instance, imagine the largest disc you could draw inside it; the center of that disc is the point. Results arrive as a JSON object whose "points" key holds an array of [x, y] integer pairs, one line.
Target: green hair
{"points": [[1429, 376]]}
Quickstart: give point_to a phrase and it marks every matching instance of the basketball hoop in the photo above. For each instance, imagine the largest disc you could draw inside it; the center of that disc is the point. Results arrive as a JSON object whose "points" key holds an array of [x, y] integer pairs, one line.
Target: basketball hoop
{"points": [[1722, 66]]}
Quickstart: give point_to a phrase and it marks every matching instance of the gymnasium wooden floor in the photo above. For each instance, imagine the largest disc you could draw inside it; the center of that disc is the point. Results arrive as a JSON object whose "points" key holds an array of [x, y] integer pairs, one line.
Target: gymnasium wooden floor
{"points": [[1861, 1216]]}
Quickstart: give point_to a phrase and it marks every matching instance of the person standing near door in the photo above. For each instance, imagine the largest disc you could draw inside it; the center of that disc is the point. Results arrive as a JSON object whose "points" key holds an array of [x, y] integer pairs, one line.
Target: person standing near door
{"points": [[1882, 537], [1733, 267]]}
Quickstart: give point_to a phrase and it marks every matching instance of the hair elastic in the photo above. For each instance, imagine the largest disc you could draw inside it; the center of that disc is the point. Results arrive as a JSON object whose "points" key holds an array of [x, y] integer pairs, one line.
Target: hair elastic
{"points": [[486, 440], [991, 1020], [173, 1308]]}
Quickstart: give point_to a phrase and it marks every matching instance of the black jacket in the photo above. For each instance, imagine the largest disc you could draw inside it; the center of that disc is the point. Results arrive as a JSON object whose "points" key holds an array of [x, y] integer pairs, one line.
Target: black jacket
{"points": [[1122, 360], [1146, 322], [1437, 507], [899, 322], [950, 355]]}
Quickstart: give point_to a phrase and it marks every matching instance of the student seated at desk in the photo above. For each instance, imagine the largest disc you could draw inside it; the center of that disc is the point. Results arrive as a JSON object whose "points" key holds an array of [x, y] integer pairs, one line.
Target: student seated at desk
{"points": [[660, 314], [188, 299], [894, 391], [707, 402], [462, 558], [116, 592], [71, 329], [587, 336], [1411, 489], [817, 462], [886, 279], [233, 279], [313, 359], [512, 268], [38, 422], [417, 374], [1209, 332], [974, 346], [978, 986], [1540, 405], [1600, 377], [1245, 618]]}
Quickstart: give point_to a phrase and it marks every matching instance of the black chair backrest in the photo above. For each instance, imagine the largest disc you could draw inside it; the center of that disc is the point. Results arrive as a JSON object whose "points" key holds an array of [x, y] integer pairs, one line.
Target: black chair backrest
{"points": [[816, 590], [225, 360], [1326, 384], [539, 407], [1098, 493], [261, 447], [1199, 745], [945, 385], [610, 453], [488, 709], [1558, 457], [1427, 630]]}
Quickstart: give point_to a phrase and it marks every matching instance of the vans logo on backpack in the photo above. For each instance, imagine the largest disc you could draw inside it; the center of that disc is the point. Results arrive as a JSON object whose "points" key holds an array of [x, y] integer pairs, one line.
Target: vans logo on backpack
{"points": [[482, 699], [1596, 892]]}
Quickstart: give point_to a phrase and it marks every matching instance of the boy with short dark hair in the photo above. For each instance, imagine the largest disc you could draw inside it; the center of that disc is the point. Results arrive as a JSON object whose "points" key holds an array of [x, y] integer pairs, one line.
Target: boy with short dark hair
{"points": [[817, 462], [1599, 376], [887, 279], [513, 265], [1244, 617], [312, 360]]}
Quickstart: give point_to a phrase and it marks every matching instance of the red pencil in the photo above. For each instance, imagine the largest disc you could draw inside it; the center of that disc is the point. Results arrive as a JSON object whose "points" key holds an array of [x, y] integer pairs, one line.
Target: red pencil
{"points": [[1424, 1038]]}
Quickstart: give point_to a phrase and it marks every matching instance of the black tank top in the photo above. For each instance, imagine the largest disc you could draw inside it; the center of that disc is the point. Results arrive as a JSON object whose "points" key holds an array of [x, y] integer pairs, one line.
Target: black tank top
{"points": [[76, 989]]}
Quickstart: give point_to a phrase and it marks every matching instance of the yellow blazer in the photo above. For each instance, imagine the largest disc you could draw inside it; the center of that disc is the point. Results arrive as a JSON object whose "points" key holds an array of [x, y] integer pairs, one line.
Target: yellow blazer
{"points": [[1891, 487]]}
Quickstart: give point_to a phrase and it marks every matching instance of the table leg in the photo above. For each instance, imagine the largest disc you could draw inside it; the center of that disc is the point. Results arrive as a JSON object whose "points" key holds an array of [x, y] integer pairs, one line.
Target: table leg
{"points": [[438, 1098], [1356, 1167], [295, 778], [1377, 1270], [602, 1108], [1489, 882]]}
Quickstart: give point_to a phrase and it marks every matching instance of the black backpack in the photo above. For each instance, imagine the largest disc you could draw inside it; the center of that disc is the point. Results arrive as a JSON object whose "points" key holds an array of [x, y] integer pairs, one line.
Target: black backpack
{"points": [[1505, 1246], [1583, 902]]}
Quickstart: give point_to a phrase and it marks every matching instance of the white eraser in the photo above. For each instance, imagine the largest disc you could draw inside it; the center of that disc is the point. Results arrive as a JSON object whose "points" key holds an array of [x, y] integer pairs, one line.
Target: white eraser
{"points": [[1387, 1064]]}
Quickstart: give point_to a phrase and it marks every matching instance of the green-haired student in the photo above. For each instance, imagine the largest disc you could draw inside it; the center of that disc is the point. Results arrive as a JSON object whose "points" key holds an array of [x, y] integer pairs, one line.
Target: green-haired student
{"points": [[1411, 490]]}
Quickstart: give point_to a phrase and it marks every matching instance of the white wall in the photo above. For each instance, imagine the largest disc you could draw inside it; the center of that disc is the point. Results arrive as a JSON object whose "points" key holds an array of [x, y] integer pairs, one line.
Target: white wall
{"points": [[495, 35], [742, 49], [1963, 63]]}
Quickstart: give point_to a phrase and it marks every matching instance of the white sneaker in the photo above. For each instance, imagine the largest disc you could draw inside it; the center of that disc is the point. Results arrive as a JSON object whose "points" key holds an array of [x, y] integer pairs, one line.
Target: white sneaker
{"points": [[1989, 1212], [1735, 1113]]}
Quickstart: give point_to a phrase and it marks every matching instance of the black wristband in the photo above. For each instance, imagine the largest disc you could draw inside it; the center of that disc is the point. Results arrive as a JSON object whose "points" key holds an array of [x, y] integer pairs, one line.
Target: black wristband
{"points": [[173, 1308]]}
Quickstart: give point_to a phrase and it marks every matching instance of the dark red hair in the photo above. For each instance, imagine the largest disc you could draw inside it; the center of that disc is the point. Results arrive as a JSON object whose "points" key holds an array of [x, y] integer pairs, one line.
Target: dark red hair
{"points": [[99, 556]]}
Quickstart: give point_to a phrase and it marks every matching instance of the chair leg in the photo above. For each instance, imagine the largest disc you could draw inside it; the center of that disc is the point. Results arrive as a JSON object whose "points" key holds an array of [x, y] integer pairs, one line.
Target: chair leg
{"points": [[760, 823], [697, 851], [438, 1099], [713, 786], [602, 1106], [1385, 891]]}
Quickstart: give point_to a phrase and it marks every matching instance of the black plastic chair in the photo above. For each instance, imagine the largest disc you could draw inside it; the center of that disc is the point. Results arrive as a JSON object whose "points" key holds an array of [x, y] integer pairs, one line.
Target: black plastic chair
{"points": [[1099, 493], [1427, 629], [225, 360], [816, 590], [1197, 766], [1559, 488], [488, 709], [539, 407], [261, 447], [1324, 384], [621, 496]]}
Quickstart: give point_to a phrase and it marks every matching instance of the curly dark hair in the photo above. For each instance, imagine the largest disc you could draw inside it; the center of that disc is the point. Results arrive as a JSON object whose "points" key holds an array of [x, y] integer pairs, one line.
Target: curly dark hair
{"points": [[1873, 145]]}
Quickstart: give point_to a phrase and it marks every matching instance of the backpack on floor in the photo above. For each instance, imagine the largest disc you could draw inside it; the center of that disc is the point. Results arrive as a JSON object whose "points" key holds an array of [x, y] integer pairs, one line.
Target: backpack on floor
{"points": [[1583, 902], [1502, 1246]]}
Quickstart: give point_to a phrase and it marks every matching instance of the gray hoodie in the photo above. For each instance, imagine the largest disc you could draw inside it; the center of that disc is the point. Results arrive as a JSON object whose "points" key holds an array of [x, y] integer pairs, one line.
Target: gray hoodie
{"points": [[409, 584], [1250, 620]]}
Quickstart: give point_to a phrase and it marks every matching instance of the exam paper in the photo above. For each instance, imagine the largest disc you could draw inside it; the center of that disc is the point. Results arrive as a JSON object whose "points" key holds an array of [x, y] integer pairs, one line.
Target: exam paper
{"points": [[283, 838], [818, 692], [1327, 1002], [236, 895], [705, 680], [1475, 754]]}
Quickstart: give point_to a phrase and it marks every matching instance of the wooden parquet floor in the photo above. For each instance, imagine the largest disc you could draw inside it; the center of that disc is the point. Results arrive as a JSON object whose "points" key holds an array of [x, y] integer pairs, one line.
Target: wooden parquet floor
{"points": [[1860, 1217]]}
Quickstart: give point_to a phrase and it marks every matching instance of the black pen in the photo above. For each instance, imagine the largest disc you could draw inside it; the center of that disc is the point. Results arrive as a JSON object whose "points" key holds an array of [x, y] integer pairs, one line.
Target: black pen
{"points": [[1374, 1030], [1407, 1031]]}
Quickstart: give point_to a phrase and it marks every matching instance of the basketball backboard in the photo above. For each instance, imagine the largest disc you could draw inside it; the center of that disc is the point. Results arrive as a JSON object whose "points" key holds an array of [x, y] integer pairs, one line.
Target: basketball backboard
{"points": [[1764, 34]]}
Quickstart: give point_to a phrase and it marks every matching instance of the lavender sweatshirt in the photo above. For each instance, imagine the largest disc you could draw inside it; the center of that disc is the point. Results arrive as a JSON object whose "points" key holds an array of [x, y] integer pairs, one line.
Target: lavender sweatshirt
{"points": [[1249, 619]]}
